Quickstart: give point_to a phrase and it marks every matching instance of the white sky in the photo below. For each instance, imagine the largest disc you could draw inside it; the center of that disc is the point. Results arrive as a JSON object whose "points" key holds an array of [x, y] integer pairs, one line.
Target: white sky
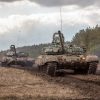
{"points": [[31, 22]]}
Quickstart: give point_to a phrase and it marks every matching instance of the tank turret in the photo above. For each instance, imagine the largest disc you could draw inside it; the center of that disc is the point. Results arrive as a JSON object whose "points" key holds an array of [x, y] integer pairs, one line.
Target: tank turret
{"points": [[57, 45]]}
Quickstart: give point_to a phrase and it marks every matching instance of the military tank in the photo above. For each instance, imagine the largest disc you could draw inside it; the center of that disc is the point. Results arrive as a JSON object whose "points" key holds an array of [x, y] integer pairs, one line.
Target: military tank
{"points": [[15, 58], [60, 56]]}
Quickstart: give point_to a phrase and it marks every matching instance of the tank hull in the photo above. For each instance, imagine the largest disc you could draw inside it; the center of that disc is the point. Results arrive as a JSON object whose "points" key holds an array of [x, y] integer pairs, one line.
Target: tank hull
{"points": [[78, 63]]}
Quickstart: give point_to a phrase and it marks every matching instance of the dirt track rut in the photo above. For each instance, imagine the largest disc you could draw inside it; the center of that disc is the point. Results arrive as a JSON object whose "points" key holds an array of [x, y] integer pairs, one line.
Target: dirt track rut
{"points": [[27, 84]]}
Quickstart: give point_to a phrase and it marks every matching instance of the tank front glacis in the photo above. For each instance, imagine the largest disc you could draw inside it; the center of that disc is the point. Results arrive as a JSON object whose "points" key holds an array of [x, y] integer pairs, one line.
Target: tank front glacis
{"points": [[66, 56]]}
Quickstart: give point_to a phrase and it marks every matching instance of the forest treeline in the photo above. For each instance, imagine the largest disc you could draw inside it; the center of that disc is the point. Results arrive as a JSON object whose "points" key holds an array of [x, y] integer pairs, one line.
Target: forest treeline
{"points": [[33, 50], [89, 37]]}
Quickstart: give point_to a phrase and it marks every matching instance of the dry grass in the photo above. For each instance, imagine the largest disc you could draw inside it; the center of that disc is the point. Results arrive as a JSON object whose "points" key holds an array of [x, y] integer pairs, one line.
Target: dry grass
{"points": [[27, 84]]}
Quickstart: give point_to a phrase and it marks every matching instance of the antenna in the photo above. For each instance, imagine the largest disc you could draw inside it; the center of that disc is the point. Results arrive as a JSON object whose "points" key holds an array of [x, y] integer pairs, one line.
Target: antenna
{"points": [[61, 18]]}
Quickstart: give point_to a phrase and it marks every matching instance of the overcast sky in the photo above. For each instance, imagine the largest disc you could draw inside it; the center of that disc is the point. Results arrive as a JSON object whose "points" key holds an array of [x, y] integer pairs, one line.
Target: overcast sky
{"points": [[28, 22]]}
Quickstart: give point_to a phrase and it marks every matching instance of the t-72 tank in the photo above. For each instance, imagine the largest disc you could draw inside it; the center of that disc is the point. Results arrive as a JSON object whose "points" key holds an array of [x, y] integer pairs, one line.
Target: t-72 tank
{"points": [[16, 58], [60, 56]]}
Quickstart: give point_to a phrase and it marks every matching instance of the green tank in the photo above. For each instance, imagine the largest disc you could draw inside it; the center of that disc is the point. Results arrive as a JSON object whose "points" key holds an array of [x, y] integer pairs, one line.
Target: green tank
{"points": [[60, 56], [16, 58]]}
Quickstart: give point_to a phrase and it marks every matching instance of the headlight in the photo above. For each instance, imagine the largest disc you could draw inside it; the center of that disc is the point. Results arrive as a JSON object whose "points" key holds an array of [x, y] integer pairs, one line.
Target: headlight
{"points": [[83, 58]]}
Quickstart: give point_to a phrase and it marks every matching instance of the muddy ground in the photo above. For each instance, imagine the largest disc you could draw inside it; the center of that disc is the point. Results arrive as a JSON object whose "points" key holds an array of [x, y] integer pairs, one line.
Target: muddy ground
{"points": [[18, 83]]}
